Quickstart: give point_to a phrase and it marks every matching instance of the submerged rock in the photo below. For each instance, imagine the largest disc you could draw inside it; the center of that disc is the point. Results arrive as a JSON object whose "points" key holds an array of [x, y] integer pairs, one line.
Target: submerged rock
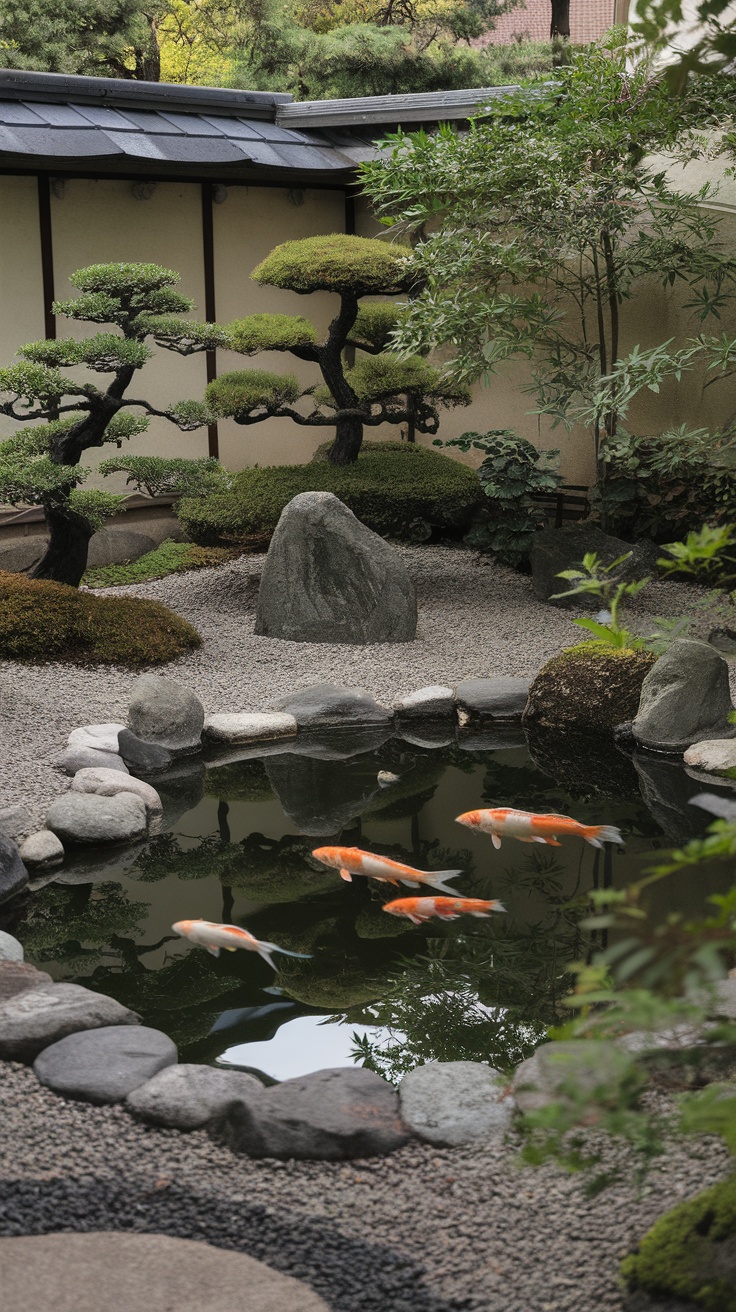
{"points": [[685, 698], [328, 578], [455, 1102], [105, 1064], [588, 688]]}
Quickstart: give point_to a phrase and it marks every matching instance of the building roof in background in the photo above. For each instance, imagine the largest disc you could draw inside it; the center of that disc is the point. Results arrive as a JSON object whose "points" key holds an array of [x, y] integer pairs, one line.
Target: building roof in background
{"points": [[51, 121]]}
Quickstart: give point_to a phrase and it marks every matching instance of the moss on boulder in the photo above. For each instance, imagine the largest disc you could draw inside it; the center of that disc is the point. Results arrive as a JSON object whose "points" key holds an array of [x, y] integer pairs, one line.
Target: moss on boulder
{"points": [[588, 687], [690, 1253]]}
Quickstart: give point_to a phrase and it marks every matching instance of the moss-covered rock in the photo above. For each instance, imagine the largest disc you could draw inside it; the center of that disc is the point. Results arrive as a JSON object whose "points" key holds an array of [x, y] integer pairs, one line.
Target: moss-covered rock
{"points": [[690, 1253], [588, 687]]}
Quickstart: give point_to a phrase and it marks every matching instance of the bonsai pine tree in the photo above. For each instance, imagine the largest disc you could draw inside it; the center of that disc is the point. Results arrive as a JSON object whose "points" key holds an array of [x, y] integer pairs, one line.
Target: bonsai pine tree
{"points": [[377, 388], [41, 466]]}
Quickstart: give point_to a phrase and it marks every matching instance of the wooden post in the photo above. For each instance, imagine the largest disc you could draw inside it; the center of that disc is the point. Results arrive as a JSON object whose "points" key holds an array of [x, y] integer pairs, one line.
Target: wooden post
{"points": [[210, 313]]}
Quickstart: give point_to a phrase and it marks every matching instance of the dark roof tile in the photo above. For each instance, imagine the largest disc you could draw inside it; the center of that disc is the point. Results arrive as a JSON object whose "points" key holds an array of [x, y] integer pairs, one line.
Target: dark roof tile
{"points": [[58, 116]]}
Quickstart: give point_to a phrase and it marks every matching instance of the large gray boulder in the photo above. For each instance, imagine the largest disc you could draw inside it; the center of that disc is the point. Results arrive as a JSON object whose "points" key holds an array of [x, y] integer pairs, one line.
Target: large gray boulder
{"points": [[330, 706], [105, 1064], [32, 1020], [89, 818], [569, 1071], [13, 874], [685, 698], [21, 554], [455, 1102], [19, 976], [557, 549], [329, 1116], [166, 713], [117, 546], [328, 578], [186, 1097]]}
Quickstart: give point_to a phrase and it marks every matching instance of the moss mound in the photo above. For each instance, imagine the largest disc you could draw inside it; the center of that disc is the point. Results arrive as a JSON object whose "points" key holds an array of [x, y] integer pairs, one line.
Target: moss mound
{"points": [[41, 621], [588, 687], [690, 1253], [398, 489], [336, 263], [168, 558]]}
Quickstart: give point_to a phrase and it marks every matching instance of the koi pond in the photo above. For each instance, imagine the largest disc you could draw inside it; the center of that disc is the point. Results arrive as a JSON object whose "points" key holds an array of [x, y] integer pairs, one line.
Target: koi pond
{"points": [[235, 846]]}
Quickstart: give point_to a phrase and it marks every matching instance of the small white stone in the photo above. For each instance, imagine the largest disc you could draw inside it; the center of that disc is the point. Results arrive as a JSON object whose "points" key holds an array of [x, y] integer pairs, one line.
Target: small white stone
{"points": [[103, 737], [109, 783], [42, 849], [712, 755], [386, 778], [249, 727]]}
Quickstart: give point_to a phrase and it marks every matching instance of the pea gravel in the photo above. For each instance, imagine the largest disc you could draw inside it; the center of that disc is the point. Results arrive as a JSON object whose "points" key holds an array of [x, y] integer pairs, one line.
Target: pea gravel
{"points": [[476, 619], [426, 1230]]}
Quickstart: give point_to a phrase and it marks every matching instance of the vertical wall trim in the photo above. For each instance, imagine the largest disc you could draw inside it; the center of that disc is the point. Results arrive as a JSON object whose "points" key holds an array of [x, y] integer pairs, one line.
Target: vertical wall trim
{"points": [[210, 312], [47, 254]]}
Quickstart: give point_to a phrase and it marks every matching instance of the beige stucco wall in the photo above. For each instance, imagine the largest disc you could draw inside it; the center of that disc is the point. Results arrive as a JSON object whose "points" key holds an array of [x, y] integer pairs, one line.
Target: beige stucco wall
{"points": [[103, 221]]}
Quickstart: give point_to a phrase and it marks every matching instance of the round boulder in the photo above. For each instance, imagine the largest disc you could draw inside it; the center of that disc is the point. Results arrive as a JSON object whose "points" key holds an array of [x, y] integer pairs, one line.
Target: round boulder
{"points": [[588, 688], [110, 783], [685, 698], [89, 758], [88, 818], [166, 713], [455, 1102], [187, 1097], [10, 948], [117, 546], [37, 1017], [105, 1064], [42, 849], [567, 1072]]}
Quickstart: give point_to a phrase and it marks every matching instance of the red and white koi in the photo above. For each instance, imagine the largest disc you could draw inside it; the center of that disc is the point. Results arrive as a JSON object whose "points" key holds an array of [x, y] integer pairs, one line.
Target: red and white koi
{"points": [[419, 909], [352, 861], [528, 827], [207, 934]]}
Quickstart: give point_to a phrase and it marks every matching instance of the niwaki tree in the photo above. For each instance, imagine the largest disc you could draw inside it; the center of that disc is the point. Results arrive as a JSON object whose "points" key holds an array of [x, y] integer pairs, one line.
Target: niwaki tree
{"points": [[42, 465], [375, 388]]}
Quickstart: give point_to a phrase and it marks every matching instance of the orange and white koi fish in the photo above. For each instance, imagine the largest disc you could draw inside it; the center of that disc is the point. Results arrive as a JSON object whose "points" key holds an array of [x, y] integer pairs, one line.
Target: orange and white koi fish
{"points": [[504, 822], [351, 861], [207, 934], [418, 909]]}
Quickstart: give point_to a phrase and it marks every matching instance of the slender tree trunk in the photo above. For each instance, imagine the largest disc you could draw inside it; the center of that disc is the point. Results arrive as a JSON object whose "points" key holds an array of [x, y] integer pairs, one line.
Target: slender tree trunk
{"points": [[560, 25], [347, 443], [65, 558]]}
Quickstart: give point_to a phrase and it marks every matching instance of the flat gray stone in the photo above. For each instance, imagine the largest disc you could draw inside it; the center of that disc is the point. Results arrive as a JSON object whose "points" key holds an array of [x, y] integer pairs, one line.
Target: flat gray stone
{"points": [[249, 727], [328, 578], [110, 783], [713, 756], [10, 948], [105, 1064], [566, 1071], [89, 758], [328, 1116], [330, 705], [455, 1102], [15, 821], [435, 702], [187, 1097], [117, 546], [685, 698], [122, 1272], [167, 714], [143, 758], [40, 1016], [18, 976], [13, 874], [42, 849], [88, 818], [99, 737], [501, 698]]}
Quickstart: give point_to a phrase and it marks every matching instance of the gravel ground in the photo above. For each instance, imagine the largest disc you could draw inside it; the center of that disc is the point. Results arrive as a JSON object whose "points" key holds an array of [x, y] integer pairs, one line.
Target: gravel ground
{"points": [[426, 1230], [475, 619]]}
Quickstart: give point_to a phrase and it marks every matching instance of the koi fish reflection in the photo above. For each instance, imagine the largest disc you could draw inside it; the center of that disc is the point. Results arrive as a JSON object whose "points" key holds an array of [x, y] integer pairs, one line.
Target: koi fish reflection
{"points": [[419, 909]]}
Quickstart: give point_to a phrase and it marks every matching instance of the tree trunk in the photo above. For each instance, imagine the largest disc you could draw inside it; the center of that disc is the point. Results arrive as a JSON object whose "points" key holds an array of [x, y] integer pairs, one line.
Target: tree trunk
{"points": [[348, 439], [560, 25], [65, 559]]}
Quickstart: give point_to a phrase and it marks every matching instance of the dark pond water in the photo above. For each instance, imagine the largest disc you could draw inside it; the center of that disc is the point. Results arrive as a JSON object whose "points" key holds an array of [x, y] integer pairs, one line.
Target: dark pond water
{"points": [[236, 847]]}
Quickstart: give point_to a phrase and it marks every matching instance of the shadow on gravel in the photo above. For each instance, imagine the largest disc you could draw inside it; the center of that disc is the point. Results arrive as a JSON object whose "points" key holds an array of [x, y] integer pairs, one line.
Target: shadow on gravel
{"points": [[350, 1275]]}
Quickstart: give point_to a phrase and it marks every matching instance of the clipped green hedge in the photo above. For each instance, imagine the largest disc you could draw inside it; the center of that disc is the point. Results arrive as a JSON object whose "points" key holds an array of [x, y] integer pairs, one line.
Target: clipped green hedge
{"points": [[42, 621], [689, 1253], [398, 489]]}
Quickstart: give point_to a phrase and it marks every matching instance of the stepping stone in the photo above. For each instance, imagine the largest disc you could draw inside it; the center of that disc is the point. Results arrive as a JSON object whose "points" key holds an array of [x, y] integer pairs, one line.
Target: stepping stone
{"points": [[37, 1017], [110, 783], [42, 849], [500, 698], [186, 1097], [712, 756], [166, 713], [433, 703], [17, 976], [249, 728], [329, 705], [88, 818], [105, 1064], [121, 1272], [13, 874], [455, 1102], [328, 1116], [82, 758], [98, 737]]}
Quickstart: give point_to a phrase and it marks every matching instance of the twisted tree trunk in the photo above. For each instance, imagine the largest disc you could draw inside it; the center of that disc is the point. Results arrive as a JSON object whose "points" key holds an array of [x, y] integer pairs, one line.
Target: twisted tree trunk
{"points": [[347, 443], [65, 558]]}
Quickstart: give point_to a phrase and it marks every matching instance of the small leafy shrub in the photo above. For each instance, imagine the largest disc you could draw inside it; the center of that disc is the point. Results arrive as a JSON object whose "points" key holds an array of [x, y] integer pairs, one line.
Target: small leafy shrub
{"points": [[512, 472], [690, 1252], [671, 483], [42, 621], [398, 489], [169, 558], [158, 476]]}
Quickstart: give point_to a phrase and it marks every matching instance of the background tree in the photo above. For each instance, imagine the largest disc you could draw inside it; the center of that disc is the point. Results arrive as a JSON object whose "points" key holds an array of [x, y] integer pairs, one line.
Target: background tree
{"points": [[41, 466], [379, 388], [107, 38], [545, 218]]}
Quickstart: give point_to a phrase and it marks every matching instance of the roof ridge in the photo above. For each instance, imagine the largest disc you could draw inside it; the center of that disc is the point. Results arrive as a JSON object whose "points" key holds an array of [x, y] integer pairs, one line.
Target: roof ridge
{"points": [[20, 84]]}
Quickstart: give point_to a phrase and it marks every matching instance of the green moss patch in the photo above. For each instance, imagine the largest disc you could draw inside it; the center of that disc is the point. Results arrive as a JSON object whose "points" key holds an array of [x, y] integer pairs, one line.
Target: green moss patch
{"points": [[170, 558], [588, 687], [690, 1253], [336, 263]]}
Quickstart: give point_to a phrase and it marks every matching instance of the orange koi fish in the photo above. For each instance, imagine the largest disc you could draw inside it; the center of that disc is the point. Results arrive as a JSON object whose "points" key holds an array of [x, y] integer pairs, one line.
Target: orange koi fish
{"points": [[213, 937], [504, 822], [351, 861], [418, 909]]}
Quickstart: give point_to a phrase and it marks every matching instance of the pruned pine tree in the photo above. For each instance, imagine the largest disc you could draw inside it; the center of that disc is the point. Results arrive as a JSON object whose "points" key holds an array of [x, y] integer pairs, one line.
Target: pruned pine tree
{"points": [[378, 387], [41, 466]]}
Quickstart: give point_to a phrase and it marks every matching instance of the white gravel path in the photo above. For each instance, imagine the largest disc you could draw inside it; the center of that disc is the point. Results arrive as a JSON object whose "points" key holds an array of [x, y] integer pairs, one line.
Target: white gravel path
{"points": [[476, 619]]}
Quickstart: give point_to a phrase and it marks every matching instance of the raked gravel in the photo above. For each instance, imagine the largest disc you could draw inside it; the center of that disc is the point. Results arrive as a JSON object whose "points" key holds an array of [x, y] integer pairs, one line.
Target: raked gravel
{"points": [[476, 619], [426, 1230]]}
